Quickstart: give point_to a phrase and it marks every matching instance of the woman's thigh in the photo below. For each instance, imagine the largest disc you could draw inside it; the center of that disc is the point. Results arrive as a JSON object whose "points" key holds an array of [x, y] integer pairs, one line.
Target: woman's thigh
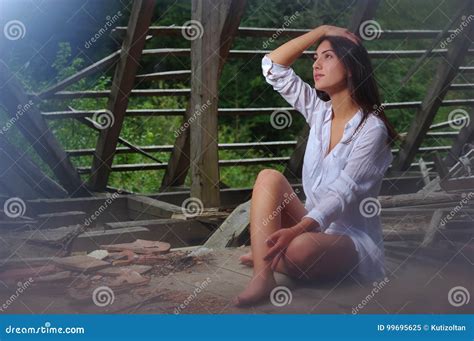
{"points": [[317, 255]]}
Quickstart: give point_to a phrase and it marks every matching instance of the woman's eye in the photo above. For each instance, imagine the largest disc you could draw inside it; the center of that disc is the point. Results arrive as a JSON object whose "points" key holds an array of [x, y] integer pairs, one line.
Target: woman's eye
{"points": [[328, 56]]}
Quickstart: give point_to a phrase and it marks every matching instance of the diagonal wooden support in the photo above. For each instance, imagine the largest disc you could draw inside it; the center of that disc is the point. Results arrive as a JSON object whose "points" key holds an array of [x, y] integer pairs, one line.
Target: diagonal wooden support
{"points": [[465, 136], [445, 73], [125, 72], [28, 119], [19, 176], [228, 17], [364, 10]]}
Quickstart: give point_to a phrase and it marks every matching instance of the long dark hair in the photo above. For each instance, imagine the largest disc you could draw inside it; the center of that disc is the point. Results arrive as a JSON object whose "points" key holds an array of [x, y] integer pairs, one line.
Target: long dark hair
{"points": [[362, 84]]}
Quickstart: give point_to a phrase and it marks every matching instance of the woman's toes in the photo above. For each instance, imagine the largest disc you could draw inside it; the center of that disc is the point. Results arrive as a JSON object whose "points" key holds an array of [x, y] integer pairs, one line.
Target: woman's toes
{"points": [[246, 259], [258, 290]]}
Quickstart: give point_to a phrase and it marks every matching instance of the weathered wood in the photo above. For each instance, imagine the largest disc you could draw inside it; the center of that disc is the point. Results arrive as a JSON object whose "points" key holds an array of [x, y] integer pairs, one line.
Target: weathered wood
{"points": [[231, 229], [166, 75], [219, 20], [249, 54], [363, 10], [466, 135], [87, 71], [262, 32], [21, 177], [27, 118], [132, 47], [415, 67], [256, 111], [62, 95], [445, 73], [149, 206]]}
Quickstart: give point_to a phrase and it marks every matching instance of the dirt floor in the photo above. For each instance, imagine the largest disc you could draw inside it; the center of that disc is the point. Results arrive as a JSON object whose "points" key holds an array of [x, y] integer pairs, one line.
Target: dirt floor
{"points": [[435, 280]]}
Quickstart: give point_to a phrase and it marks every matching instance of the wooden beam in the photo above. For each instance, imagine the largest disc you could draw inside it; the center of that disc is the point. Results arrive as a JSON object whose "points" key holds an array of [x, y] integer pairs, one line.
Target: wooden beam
{"points": [[27, 118], [124, 78], [18, 172], [445, 73], [364, 10], [465, 136]]}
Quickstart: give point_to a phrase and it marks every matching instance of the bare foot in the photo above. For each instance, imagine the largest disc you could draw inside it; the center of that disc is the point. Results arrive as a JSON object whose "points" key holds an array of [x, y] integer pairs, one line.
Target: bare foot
{"points": [[247, 259], [257, 290]]}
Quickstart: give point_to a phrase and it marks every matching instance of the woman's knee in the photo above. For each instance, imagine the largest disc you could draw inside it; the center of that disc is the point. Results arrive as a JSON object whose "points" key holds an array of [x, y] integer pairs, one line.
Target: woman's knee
{"points": [[269, 176], [301, 254]]}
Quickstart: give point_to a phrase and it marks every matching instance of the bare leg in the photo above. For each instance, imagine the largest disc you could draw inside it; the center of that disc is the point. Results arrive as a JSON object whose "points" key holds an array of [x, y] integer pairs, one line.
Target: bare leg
{"points": [[270, 190]]}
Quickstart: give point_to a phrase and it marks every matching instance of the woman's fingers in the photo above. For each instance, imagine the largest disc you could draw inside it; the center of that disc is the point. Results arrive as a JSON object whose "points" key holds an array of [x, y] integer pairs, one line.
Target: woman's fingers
{"points": [[273, 252], [277, 259]]}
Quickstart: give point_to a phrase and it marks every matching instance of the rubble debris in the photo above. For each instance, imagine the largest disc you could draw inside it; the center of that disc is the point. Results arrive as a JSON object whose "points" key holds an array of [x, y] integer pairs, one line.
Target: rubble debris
{"points": [[140, 246]]}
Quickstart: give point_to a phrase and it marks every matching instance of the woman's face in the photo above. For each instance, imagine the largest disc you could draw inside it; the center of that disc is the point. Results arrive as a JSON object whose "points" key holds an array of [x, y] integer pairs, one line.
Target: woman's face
{"points": [[329, 73]]}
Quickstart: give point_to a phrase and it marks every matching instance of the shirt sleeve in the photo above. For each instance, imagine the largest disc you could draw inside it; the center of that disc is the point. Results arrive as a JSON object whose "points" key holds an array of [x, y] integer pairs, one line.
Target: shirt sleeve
{"points": [[299, 94], [365, 167]]}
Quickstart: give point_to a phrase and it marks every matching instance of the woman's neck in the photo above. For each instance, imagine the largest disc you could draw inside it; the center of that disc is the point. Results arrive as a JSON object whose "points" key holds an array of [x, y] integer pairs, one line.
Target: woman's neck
{"points": [[343, 106]]}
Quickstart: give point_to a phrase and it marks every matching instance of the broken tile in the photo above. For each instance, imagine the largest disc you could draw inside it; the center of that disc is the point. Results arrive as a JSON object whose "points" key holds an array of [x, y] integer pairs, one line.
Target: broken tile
{"points": [[81, 263], [140, 246], [141, 269]]}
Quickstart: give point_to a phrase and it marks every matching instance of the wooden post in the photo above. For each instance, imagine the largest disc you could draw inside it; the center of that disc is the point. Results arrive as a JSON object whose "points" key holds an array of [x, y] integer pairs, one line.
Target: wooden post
{"points": [[125, 72], [218, 22], [446, 71]]}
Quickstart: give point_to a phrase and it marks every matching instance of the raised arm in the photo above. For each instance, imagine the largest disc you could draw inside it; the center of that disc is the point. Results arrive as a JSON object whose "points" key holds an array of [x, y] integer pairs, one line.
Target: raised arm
{"points": [[287, 53]]}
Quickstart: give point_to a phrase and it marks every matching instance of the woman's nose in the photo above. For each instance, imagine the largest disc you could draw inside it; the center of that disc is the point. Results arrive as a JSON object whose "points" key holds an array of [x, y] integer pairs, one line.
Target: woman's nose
{"points": [[316, 65]]}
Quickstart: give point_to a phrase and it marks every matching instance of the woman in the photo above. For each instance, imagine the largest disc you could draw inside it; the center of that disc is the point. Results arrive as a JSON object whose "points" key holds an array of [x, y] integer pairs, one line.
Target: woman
{"points": [[337, 232]]}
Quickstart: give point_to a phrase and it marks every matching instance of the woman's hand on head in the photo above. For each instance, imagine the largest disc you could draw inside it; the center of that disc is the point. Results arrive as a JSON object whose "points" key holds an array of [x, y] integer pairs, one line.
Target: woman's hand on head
{"points": [[340, 32]]}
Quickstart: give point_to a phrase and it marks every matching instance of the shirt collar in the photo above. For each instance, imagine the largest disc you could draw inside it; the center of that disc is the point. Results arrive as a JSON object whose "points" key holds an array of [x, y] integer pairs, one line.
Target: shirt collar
{"points": [[354, 121]]}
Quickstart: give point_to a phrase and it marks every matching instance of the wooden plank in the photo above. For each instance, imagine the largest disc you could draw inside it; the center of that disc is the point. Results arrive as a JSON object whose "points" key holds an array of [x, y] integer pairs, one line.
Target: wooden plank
{"points": [[260, 32], [62, 95], [150, 206], [166, 75], [132, 47], [219, 22], [231, 229], [445, 73], [87, 71], [31, 124]]}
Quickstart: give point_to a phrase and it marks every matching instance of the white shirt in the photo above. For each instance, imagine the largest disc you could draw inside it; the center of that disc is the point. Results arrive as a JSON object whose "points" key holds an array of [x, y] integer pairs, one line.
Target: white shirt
{"points": [[341, 189]]}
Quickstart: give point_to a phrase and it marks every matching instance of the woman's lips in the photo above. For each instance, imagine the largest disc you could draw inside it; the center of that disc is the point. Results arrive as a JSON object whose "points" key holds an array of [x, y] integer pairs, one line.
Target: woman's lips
{"points": [[316, 77]]}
